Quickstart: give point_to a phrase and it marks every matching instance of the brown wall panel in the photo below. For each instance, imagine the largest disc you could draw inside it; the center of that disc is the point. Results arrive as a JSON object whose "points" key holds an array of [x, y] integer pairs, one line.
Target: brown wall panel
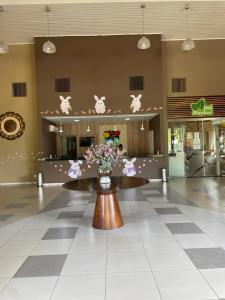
{"points": [[179, 107], [99, 65]]}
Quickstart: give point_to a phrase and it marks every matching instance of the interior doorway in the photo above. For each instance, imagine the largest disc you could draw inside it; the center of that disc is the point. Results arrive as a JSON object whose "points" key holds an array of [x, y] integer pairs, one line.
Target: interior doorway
{"points": [[195, 147]]}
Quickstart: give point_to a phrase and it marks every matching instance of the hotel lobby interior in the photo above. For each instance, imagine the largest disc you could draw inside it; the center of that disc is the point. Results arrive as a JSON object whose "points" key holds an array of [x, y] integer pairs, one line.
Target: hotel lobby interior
{"points": [[112, 150]]}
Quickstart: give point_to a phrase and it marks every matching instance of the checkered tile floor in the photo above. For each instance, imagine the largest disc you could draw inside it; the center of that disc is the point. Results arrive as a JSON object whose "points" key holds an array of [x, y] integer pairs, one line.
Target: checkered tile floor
{"points": [[168, 249]]}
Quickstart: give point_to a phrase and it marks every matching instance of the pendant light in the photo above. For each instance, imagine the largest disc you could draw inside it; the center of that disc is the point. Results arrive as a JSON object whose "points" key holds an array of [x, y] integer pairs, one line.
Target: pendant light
{"points": [[188, 43], [88, 129], [143, 42], [60, 128], [142, 126], [4, 49], [48, 47]]}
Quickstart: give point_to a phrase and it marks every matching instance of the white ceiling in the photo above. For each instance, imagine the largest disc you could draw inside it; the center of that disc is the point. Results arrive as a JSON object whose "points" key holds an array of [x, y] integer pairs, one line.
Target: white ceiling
{"points": [[103, 118], [24, 21]]}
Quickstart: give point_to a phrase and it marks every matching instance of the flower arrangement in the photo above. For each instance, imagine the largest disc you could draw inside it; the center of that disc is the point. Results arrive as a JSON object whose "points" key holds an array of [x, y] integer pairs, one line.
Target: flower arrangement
{"points": [[105, 155]]}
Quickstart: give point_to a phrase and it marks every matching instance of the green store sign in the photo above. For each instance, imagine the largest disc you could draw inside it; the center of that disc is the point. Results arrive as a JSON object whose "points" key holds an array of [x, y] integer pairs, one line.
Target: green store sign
{"points": [[200, 108]]}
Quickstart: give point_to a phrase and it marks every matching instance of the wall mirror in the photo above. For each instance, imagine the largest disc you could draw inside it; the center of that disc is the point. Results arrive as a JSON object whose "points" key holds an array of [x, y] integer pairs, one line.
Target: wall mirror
{"points": [[12, 125]]}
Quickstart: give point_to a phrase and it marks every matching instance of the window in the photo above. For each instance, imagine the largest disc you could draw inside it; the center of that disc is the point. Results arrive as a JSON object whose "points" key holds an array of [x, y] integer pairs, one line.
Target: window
{"points": [[62, 85], [136, 82], [178, 85], [19, 89]]}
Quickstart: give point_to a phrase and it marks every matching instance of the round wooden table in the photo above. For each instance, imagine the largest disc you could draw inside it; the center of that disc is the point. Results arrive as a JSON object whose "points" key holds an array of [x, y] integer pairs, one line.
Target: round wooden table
{"points": [[107, 213]]}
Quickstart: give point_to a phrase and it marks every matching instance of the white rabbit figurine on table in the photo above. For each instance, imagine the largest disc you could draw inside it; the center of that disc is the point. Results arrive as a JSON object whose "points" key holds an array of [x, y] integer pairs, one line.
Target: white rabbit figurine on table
{"points": [[136, 103], [74, 170], [65, 104], [129, 168], [99, 105]]}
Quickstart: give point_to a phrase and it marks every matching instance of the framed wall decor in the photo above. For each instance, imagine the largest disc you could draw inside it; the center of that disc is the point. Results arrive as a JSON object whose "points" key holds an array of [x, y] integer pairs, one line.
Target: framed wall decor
{"points": [[12, 125]]}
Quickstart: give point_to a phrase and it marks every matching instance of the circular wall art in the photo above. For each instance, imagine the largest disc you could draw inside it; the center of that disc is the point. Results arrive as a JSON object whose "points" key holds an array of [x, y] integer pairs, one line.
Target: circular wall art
{"points": [[12, 125]]}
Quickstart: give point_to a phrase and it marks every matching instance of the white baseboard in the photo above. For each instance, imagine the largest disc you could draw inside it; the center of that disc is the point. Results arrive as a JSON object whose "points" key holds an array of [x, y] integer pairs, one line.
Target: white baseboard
{"points": [[53, 184], [17, 183], [155, 180]]}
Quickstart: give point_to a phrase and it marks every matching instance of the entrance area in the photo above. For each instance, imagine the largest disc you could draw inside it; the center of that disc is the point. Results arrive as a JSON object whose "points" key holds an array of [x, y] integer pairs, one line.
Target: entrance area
{"points": [[196, 147]]}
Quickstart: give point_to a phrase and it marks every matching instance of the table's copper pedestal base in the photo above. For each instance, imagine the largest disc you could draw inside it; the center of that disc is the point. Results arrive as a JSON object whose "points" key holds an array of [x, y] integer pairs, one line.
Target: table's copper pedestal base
{"points": [[107, 213]]}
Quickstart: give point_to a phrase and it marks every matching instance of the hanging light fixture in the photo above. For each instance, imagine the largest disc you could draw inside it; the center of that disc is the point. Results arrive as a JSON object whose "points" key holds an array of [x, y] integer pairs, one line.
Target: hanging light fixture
{"points": [[188, 43], [48, 47], [142, 126], [60, 128], [88, 129], [4, 48], [143, 42]]}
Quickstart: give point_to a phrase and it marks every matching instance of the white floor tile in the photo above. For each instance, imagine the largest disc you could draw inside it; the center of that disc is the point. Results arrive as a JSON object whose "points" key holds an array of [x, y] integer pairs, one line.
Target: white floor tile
{"points": [[151, 192], [80, 287], [74, 203], [216, 279], [175, 219], [18, 248], [124, 242], [10, 265], [38, 288], [165, 259], [131, 286], [3, 283], [153, 229], [212, 227], [90, 243], [218, 238], [85, 262], [127, 261], [160, 242], [197, 240], [185, 285], [30, 234], [50, 247], [157, 199], [66, 223], [6, 234]]}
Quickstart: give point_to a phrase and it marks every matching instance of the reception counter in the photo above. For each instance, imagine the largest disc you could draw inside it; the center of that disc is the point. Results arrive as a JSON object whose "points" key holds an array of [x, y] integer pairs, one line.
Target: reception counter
{"points": [[56, 171]]}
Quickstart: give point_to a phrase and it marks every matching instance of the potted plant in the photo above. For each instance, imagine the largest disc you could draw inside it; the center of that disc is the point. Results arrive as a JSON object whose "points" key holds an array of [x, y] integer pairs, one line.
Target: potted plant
{"points": [[106, 157]]}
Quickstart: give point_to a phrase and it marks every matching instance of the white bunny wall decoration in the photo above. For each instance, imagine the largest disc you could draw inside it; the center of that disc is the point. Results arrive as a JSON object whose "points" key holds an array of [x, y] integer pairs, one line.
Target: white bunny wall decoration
{"points": [[74, 170], [65, 104], [100, 105], [136, 103], [129, 168]]}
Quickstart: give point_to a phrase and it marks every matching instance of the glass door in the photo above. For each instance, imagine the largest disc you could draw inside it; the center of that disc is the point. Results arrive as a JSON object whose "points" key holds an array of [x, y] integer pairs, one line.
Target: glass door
{"points": [[194, 149]]}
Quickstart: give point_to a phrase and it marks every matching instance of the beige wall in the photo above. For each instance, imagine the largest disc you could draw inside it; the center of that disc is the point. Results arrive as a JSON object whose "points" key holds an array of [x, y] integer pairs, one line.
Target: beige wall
{"points": [[18, 66], [204, 67]]}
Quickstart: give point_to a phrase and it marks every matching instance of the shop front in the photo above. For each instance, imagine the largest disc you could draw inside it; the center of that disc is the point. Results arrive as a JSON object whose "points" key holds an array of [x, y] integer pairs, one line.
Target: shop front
{"points": [[196, 136]]}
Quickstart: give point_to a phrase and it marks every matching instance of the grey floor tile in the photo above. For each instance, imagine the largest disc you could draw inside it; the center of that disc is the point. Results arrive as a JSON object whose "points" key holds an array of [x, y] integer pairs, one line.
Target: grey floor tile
{"points": [[60, 233], [70, 214], [183, 228], [168, 211], [5, 217], [44, 265], [207, 258], [60, 201], [16, 205]]}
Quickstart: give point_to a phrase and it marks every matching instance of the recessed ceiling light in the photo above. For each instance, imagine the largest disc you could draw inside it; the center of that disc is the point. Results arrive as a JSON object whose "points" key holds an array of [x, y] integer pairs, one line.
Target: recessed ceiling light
{"points": [[76, 120], [127, 119]]}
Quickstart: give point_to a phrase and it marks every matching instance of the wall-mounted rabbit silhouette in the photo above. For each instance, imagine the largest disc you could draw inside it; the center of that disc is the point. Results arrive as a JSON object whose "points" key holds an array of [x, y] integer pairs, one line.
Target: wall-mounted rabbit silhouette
{"points": [[74, 170], [129, 168], [65, 104], [136, 103], [100, 105]]}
